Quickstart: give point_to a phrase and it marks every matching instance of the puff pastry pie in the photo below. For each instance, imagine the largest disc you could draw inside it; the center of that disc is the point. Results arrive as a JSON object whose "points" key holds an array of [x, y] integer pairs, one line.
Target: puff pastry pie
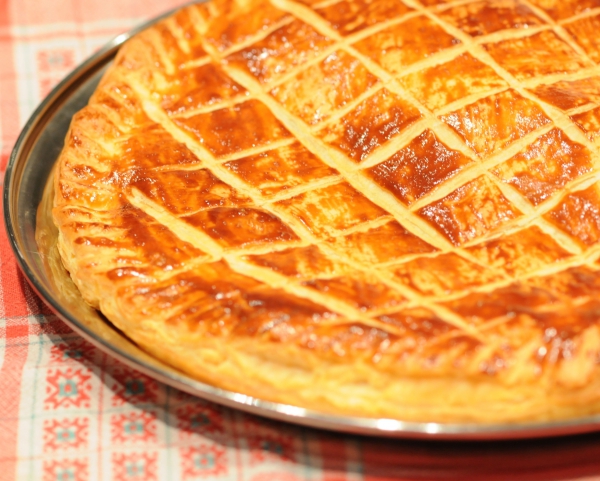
{"points": [[383, 208]]}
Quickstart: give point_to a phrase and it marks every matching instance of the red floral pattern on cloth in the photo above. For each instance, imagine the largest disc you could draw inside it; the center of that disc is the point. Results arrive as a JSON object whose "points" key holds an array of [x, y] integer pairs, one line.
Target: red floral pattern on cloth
{"points": [[135, 466], [68, 387], [131, 386], [52, 66], [66, 470], [203, 461], [74, 352], [64, 434], [198, 419], [274, 448], [133, 427]]}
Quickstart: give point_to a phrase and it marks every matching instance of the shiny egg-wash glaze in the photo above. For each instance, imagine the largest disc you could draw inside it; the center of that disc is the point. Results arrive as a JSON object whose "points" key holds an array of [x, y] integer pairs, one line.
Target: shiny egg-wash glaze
{"points": [[376, 208]]}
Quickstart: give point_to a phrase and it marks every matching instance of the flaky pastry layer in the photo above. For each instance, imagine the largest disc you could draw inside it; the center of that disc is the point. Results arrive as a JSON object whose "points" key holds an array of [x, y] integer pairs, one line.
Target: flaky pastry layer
{"points": [[373, 208]]}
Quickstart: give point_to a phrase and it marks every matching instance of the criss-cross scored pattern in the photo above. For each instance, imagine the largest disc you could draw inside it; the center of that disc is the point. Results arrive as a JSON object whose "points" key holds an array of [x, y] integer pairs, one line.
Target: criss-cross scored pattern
{"points": [[422, 169]]}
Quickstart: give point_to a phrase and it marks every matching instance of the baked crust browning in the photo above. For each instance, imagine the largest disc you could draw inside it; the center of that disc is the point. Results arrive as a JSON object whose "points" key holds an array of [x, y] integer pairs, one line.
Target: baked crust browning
{"points": [[374, 208]]}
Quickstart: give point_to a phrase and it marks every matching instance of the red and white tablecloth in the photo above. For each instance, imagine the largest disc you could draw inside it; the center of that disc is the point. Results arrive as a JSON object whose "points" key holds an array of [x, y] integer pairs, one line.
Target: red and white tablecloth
{"points": [[68, 412]]}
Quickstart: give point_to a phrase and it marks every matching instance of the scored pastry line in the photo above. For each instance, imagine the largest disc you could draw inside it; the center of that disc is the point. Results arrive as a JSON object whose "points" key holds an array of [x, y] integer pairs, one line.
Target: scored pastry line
{"points": [[345, 109], [556, 115], [403, 224], [276, 280], [198, 21], [435, 59], [469, 99], [585, 259], [263, 249], [215, 252], [326, 3], [366, 226], [217, 168], [592, 12], [302, 188], [444, 132], [511, 34], [341, 163], [432, 60], [517, 199], [179, 35], [392, 146], [444, 6], [582, 109], [476, 168], [577, 185], [221, 104], [256, 89], [229, 158], [331, 35], [153, 37], [568, 126], [562, 238], [187, 233], [271, 278], [559, 119], [199, 62], [270, 201], [245, 80], [495, 322], [255, 150], [584, 73], [559, 30]]}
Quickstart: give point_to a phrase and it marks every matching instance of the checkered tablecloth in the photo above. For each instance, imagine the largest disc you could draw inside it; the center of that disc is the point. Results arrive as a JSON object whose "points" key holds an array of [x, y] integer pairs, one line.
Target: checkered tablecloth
{"points": [[69, 412]]}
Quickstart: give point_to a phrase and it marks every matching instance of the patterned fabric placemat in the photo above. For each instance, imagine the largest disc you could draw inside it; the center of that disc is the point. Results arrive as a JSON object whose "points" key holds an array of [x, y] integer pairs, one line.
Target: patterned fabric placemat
{"points": [[69, 412]]}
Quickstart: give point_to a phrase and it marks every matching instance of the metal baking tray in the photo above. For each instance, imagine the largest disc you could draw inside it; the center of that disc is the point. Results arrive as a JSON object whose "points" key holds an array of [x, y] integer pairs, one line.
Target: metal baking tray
{"points": [[27, 205]]}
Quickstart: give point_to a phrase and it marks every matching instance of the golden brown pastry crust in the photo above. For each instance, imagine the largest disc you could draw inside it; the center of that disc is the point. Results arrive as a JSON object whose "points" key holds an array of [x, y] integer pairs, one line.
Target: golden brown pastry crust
{"points": [[378, 208]]}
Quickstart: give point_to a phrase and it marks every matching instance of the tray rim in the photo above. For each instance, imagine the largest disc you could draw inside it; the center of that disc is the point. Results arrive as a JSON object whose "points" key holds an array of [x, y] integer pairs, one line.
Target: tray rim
{"points": [[380, 427]]}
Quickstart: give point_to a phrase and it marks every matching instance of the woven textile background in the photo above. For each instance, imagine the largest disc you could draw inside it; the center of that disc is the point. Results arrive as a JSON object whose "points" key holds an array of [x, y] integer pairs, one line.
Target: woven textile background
{"points": [[68, 412]]}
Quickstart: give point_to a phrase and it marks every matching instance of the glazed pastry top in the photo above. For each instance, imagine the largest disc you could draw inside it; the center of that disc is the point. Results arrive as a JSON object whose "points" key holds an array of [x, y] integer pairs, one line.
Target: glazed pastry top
{"points": [[412, 184]]}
